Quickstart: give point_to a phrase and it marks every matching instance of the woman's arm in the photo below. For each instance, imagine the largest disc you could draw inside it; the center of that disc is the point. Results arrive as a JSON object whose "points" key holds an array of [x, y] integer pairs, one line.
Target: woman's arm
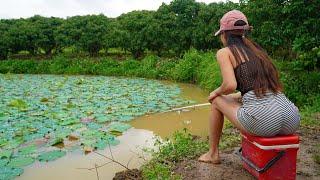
{"points": [[229, 83]]}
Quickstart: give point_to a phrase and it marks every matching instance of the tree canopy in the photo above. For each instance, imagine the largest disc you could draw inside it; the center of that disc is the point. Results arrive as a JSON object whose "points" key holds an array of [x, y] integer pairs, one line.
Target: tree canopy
{"points": [[285, 28]]}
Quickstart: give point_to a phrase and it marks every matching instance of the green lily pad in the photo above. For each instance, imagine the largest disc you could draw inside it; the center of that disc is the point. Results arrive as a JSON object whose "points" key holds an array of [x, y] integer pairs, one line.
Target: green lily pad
{"points": [[115, 132], [14, 143], [101, 145], [51, 155], [3, 162], [68, 122], [103, 118], [118, 126], [114, 142], [31, 149], [5, 154], [55, 141], [88, 142], [20, 162], [18, 103], [3, 142], [93, 125], [8, 173], [111, 139]]}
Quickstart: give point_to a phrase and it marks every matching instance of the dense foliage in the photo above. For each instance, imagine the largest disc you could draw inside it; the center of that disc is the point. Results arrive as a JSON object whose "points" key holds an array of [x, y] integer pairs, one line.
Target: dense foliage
{"points": [[287, 29]]}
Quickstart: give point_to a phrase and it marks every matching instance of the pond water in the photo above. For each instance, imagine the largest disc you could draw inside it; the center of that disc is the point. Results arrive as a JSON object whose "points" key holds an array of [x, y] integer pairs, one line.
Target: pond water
{"points": [[147, 122], [194, 119], [75, 165]]}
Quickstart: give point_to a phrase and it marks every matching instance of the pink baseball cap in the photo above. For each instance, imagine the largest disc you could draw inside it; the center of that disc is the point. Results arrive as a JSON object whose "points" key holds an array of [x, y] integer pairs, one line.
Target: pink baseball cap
{"points": [[229, 19]]}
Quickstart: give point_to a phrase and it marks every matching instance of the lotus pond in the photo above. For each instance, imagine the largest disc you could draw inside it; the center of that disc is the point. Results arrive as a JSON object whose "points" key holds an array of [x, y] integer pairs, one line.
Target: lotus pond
{"points": [[40, 112]]}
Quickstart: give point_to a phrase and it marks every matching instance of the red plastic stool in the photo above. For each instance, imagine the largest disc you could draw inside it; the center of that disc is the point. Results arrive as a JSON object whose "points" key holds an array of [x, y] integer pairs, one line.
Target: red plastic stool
{"points": [[270, 157]]}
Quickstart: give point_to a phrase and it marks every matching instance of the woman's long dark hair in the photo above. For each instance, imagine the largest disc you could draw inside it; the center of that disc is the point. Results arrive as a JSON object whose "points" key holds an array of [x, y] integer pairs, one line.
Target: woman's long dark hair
{"points": [[265, 73]]}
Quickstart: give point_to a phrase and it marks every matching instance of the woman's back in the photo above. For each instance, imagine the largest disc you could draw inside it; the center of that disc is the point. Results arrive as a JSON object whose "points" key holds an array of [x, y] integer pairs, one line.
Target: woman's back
{"points": [[245, 76]]}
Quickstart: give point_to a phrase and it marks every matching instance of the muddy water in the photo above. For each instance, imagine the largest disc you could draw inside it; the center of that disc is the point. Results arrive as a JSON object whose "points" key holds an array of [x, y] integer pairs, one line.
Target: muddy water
{"points": [[195, 120], [75, 165]]}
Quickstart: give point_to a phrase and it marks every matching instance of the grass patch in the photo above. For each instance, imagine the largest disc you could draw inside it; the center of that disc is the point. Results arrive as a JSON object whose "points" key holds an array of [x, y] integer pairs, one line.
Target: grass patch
{"points": [[180, 147], [316, 154]]}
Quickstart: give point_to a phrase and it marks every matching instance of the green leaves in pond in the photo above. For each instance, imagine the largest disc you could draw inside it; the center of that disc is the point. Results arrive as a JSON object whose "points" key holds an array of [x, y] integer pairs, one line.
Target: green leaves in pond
{"points": [[55, 141], [8, 173], [20, 162], [47, 108], [117, 128], [102, 144], [14, 143], [3, 142], [51, 155], [68, 122], [98, 139], [5, 154], [28, 150], [18, 103], [3, 162]]}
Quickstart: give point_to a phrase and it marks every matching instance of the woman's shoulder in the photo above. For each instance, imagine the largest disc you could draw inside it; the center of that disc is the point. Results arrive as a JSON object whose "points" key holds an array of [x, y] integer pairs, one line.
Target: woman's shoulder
{"points": [[225, 53], [224, 50]]}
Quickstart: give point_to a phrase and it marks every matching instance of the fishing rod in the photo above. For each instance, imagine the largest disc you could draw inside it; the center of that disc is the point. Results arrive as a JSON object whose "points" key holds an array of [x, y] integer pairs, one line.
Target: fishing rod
{"points": [[187, 107]]}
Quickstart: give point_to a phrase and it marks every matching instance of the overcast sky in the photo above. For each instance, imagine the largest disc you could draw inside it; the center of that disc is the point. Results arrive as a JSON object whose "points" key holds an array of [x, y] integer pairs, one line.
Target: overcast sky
{"points": [[65, 8]]}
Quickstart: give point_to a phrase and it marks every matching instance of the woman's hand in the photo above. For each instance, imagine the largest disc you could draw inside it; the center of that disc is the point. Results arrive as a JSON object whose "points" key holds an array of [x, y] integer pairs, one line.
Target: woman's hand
{"points": [[212, 95]]}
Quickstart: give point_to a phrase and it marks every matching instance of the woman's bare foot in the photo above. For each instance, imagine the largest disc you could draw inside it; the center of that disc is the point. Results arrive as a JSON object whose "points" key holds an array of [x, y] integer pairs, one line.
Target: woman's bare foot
{"points": [[210, 157]]}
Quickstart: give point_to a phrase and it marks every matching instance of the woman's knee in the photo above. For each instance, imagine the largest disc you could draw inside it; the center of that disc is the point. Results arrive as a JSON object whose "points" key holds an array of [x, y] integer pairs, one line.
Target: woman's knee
{"points": [[215, 102]]}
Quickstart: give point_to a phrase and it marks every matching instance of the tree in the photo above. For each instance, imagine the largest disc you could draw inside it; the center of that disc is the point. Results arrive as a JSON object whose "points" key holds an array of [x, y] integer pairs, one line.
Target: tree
{"points": [[186, 11], [45, 28], [22, 35], [87, 33], [134, 27], [4, 39], [207, 23], [160, 30]]}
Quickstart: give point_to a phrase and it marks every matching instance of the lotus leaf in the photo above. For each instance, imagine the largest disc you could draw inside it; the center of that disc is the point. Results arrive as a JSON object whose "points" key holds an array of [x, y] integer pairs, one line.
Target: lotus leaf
{"points": [[118, 126], [18, 103], [88, 142], [101, 145], [5, 154], [3, 118], [51, 155], [3, 162], [103, 119], [8, 173], [56, 141], [68, 122], [14, 143], [93, 125], [3, 142], [28, 150], [20, 162], [115, 132]]}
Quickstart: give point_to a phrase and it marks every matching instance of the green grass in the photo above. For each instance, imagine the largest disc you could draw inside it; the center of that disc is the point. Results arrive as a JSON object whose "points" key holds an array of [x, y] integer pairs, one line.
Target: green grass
{"points": [[182, 145], [316, 154], [170, 151]]}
